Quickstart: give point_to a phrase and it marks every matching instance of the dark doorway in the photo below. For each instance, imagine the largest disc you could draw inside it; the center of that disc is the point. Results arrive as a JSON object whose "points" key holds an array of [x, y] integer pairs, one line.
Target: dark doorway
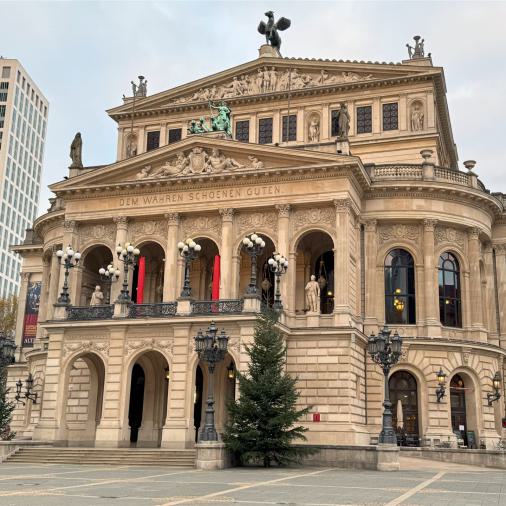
{"points": [[458, 406], [197, 400], [324, 272], [136, 402], [404, 398]]}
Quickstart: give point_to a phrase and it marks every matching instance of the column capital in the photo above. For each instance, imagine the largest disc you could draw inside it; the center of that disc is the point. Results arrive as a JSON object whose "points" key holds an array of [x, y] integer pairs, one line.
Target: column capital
{"points": [[370, 225], [172, 218], [283, 210], [343, 205], [429, 224], [474, 232], [120, 220], [500, 249], [25, 276], [227, 214], [69, 225]]}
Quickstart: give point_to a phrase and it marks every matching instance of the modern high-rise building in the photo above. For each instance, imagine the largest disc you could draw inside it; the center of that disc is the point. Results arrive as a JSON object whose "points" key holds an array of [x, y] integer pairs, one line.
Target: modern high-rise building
{"points": [[23, 120]]}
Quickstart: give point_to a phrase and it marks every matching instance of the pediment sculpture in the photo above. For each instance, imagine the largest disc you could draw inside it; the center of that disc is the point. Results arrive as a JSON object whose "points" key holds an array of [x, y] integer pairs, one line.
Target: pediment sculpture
{"points": [[268, 80], [198, 161]]}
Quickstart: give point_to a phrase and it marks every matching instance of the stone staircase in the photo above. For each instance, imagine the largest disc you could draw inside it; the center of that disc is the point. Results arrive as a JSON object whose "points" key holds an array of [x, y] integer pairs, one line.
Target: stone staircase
{"points": [[104, 456]]}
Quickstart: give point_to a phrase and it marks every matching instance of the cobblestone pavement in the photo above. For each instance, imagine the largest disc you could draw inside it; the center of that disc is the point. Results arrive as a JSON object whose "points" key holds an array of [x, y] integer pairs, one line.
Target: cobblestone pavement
{"points": [[419, 482]]}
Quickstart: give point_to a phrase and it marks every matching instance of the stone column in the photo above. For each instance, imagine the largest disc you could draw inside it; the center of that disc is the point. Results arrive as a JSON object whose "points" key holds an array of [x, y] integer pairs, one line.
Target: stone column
{"points": [[226, 253], [325, 123], [171, 255], [277, 126], [20, 317], [141, 145], [70, 238], [475, 280], [163, 135], [490, 300], [433, 325], [371, 291], [342, 278], [54, 283], [283, 246], [500, 266], [121, 238]]}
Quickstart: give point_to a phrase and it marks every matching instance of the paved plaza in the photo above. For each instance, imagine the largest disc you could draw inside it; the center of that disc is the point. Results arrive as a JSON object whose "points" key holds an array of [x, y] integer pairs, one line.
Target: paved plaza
{"points": [[418, 483]]}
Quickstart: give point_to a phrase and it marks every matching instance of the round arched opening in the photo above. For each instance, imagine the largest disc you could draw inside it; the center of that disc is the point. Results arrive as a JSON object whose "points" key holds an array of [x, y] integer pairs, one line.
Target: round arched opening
{"points": [[94, 259], [147, 281], [463, 410], [204, 271], [404, 397]]}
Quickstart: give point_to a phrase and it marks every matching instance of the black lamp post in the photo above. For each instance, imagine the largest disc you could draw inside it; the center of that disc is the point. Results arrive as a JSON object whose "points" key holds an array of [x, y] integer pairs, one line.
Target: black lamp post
{"points": [[441, 389], [7, 349], [29, 393], [253, 245], [128, 254], [70, 259], [211, 348], [109, 275], [278, 264], [386, 351], [189, 250], [496, 382]]}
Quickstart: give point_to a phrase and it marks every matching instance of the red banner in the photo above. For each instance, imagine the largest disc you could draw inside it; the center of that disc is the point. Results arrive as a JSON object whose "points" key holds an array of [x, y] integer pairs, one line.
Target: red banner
{"points": [[141, 274], [215, 294]]}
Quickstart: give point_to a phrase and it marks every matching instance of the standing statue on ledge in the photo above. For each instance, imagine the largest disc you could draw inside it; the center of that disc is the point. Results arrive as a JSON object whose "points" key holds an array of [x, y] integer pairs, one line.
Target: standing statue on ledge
{"points": [[314, 129], [222, 121], [417, 51], [343, 122], [313, 295], [270, 29], [97, 297], [76, 152], [141, 89]]}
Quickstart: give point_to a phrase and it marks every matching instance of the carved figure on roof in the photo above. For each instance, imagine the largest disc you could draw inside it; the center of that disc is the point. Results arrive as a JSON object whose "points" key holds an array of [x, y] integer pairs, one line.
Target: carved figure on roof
{"points": [[255, 162], [144, 173], [218, 162], [198, 126], [76, 152], [271, 29], [343, 121], [141, 89], [197, 161], [221, 122], [418, 51], [173, 167]]}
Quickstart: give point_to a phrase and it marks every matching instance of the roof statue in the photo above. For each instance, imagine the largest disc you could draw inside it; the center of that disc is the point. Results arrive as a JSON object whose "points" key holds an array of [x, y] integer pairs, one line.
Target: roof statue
{"points": [[270, 29], [141, 89], [76, 152], [417, 51], [220, 122]]}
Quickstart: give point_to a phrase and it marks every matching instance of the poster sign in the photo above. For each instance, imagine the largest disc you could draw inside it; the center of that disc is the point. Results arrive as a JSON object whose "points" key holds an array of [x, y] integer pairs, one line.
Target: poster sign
{"points": [[31, 313]]}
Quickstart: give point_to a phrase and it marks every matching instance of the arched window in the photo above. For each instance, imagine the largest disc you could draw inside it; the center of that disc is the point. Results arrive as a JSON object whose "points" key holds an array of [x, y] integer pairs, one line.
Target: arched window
{"points": [[449, 291], [399, 287]]}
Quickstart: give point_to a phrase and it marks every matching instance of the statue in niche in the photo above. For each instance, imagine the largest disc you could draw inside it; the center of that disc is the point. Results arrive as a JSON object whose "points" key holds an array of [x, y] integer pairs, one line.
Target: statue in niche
{"points": [[76, 152], [218, 162], [343, 122], [270, 29], [314, 129], [97, 297], [256, 163], [417, 117], [313, 295], [131, 146]]}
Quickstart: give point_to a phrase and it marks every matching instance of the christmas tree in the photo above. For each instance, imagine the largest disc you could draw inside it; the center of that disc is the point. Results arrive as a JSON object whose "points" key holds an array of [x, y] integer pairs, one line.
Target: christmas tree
{"points": [[6, 409], [262, 422]]}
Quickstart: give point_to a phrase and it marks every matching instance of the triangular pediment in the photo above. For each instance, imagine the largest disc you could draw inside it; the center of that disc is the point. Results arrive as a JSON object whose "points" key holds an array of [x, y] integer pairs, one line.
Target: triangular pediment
{"points": [[271, 75], [200, 158]]}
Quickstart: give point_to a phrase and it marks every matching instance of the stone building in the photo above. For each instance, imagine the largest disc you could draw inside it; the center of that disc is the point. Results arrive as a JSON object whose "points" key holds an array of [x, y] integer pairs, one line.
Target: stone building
{"points": [[347, 168]]}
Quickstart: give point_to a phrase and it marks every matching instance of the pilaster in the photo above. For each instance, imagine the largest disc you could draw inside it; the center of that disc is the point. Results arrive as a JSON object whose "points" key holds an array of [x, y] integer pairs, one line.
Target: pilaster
{"points": [[70, 238], [171, 255], [54, 283], [20, 317], [500, 266], [490, 300], [371, 253], [433, 326], [282, 248], [475, 283], [227, 224]]}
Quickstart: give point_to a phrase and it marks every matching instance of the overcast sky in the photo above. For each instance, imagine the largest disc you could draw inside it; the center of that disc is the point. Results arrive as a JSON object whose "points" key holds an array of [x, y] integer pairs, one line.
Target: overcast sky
{"points": [[83, 56]]}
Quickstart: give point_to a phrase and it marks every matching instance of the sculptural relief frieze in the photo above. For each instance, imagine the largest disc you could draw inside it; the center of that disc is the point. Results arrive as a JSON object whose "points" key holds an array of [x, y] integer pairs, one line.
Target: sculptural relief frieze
{"points": [[139, 229], [398, 231], [99, 347], [104, 232], [198, 161], [164, 345], [451, 235], [313, 216], [267, 220], [193, 226], [269, 80]]}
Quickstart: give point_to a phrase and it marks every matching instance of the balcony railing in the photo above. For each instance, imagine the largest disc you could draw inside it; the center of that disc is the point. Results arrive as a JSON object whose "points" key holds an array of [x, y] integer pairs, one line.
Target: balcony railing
{"points": [[404, 171], [90, 312], [228, 306], [155, 310]]}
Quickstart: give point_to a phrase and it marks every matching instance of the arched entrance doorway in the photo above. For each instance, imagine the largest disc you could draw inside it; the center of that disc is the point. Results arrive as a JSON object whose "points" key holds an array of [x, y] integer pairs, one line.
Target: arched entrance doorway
{"points": [[84, 392], [404, 398], [315, 256], [147, 280], [147, 406], [202, 269], [94, 259], [463, 409]]}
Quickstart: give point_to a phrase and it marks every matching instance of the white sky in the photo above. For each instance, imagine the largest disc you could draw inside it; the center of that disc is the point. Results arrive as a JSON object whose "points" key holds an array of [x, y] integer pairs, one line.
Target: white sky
{"points": [[83, 56]]}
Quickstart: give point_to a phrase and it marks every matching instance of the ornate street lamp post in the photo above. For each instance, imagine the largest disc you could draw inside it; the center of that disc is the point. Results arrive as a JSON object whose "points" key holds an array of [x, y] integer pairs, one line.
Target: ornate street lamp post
{"points": [[441, 389], [253, 245], [128, 254], [278, 264], [29, 393], [189, 250], [386, 351], [70, 259], [211, 348], [109, 275], [496, 383], [7, 349]]}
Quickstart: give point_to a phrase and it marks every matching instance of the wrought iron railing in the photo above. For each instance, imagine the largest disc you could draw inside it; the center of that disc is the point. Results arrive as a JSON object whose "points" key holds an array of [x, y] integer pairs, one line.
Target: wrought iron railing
{"points": [[226, 306], [102, 312], [154, 310]]}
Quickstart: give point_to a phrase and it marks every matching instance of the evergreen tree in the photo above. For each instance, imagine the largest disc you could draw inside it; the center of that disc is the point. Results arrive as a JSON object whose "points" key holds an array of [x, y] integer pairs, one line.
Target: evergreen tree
{"points": [[262, 422], [6, 409]]}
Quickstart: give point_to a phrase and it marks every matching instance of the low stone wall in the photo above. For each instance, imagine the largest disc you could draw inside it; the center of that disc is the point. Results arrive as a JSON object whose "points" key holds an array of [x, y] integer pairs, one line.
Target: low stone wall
{"points": [[484, 458], [376, 457]]}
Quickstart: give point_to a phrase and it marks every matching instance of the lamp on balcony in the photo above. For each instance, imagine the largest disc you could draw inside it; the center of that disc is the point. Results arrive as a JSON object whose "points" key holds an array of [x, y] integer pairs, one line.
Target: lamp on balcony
{"points": [[253, 245], [278, 264], [109, 275], [189, 250], [128, 254], [70, 259]]}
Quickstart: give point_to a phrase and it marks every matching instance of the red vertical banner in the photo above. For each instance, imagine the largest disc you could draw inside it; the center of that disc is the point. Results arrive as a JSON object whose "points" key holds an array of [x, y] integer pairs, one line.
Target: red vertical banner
{"points": [[141, 273], [215, 294]]}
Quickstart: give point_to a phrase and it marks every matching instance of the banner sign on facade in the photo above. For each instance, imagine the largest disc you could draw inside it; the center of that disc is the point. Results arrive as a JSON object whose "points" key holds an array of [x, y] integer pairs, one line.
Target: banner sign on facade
{"points": [[31, 313]]}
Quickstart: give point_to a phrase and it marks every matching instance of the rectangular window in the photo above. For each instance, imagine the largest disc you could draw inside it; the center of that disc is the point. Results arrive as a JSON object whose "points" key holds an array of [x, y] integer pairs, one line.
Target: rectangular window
{"points": [[4, 85], [153, 140], [3, 97], [6, 72], [391, 116], [175, 134], [242, 130], [289, 128], [364, 119], [265, 131]]}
